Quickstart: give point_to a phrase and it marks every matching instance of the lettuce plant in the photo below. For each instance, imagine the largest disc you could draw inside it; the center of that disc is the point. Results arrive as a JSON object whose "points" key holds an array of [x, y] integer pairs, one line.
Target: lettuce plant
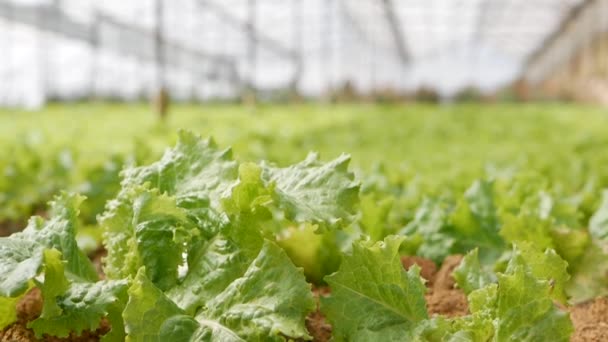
{"points": [[191, 250]]}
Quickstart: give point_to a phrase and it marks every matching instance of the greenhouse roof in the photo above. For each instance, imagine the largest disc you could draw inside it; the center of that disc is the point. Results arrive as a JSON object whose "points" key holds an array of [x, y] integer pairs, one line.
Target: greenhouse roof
{"points": [[213, 48]]}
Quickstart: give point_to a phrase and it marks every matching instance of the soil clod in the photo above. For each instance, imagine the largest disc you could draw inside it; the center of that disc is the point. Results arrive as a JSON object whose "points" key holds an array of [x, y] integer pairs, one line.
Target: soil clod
{"points": [[590, 321]]}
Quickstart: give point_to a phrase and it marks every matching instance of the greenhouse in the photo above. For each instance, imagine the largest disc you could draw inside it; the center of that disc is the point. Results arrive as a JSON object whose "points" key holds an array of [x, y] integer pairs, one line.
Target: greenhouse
{"points": [[304, 170]]}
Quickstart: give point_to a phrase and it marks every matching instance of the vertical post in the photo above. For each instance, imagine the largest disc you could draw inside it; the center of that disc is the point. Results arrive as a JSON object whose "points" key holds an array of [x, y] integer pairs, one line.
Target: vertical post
{"points": [[95, 42], [196, 75], [296, 13], [162, 98], [327, 40], [373, 72], [250, 95], [7, 59], [42, 53]]}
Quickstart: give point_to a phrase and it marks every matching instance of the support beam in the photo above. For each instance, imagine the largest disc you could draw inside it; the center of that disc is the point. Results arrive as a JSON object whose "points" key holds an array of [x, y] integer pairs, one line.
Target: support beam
{"points": [[576, 30], [252, 42], [159, 44], [296, 12], [262, 38], [162, 97], [115, 36], [327, 46], [397, 30], [485, 8], [572, 14]]}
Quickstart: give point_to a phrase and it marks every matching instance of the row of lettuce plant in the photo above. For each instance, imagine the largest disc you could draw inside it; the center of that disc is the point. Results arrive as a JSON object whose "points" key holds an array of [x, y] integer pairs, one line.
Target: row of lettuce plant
{"points": [[203, 247]]}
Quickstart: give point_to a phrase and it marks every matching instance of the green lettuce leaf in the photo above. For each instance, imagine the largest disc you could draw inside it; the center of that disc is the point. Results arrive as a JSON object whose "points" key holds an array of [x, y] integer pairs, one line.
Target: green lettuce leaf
{"points": [[374, 216], [214, 263], [589, 275], [524, 307], [252, 307], [20, 261], [529, 228], [76, 306], [547, 266], [598, 224], [431, 224], [318, 254], [143, 227], [8, 310], [469, 275], [194, 168], [271, 298], [147, 309], [203, 179], [82, 306], [520, 307], [55, 283], [476, 221], [22, 255], [373, 298], [476, 327], [314, 192]]}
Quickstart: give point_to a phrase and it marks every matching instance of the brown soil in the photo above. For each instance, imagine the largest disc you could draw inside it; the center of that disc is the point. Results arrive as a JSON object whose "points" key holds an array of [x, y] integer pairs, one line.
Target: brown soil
{"points": [[442, 297], [97, 259], [316, 324], [9, 227], [450, 303], [428, 269], [443, 279], [590, 321]]}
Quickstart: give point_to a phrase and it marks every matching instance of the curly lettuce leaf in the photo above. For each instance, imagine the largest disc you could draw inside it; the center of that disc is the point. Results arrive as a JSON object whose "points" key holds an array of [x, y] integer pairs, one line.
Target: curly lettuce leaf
{"points": [[375, 216], [214, 263], [524, 307], [310, 191], [20, 261], [22, 255], [476, 327], [318, 254], [203, 178], [546, 266], [8, 310], [544, 226], [527, 227], [470, 275], [73, 306], [476, 221], [147, 309], [55, 283], [571, 244], [520, 306], [59, 232], [598, 224], [431, 224], [590, 275], [269, 301], [82, 306], [194, 168], [271, 298], [143, 227], [373, 298]]}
